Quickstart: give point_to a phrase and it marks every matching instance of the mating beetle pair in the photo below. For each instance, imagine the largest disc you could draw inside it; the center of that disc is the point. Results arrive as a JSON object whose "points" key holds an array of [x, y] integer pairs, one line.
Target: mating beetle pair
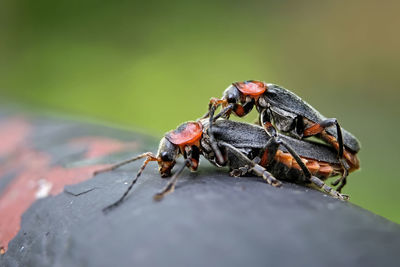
{"points": [[263, 151], [245, 148], [290, 115]]}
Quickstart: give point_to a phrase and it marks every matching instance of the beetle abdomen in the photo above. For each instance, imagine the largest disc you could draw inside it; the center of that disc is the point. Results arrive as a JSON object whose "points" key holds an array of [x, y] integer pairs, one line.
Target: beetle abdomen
{"points": [[286, 168]]}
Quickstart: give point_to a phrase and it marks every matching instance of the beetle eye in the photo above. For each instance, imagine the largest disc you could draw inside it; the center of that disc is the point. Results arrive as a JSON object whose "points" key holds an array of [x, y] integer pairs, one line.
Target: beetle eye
{"points": [[231, 94], [165, 156], [231, 98]]}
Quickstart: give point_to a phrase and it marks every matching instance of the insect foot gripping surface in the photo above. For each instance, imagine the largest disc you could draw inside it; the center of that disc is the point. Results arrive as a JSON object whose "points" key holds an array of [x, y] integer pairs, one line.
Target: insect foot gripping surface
{"points": [[327, 189], [268, 177]]}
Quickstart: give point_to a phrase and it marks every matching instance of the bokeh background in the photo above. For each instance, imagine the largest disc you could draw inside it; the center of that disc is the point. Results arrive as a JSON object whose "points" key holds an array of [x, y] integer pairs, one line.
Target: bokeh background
{"points": [[154, 64]]}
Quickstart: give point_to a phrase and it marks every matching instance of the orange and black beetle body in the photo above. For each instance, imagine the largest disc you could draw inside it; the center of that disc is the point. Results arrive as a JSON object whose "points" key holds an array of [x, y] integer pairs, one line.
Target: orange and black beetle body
{"points": [[245, 149], [289, 114]]}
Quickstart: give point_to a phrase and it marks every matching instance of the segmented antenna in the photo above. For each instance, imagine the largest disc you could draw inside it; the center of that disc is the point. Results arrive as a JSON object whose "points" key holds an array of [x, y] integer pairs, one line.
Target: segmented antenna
{"points": [[149, 157], [119, 164]]}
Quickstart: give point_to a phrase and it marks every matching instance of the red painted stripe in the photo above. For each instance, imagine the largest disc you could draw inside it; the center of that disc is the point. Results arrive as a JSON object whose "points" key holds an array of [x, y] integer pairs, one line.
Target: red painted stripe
{"points": [[37, 177], [13, 134], [101, 146]]}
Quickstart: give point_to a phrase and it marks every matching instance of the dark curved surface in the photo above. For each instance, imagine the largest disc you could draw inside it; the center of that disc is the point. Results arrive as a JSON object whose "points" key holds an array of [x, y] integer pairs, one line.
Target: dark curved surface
{"points": [[210, 220]]}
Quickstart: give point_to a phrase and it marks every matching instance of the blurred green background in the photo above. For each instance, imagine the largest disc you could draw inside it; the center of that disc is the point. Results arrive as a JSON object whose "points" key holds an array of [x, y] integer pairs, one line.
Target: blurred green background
{"points": [[155, 64]]}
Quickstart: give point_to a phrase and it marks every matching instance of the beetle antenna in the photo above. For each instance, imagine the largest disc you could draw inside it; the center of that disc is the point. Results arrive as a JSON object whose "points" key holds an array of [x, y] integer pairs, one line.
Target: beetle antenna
{"points": [[169, 188], [119, 164], [150, 157]]}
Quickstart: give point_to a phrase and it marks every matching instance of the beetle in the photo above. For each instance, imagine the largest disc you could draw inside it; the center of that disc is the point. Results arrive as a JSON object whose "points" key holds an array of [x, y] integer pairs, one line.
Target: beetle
{"points": [[245, 149], [276, 155], [290, 115]]}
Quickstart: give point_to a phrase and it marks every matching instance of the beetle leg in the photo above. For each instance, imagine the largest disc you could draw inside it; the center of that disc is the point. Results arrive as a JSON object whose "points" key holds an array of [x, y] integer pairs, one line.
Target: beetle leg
{"points": [[320, 184], [265, 122], [342, 180], [342, 183], [236, 108], [318, 128], [267, 176], [239, 109], [213, 118], [241, 171], [242, 110], [270, 129], [169, 188], [273, 144], [205, 115], [269, 152], [303, 166], [255, 168], [272, 147], [213, 143], [225, 112], [214, 102]]}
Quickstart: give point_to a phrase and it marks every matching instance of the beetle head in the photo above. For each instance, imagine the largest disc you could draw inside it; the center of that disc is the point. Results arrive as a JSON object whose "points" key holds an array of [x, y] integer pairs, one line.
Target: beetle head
{"points": [[176, 142], [167, 154], [251, 87], [231, 94]]}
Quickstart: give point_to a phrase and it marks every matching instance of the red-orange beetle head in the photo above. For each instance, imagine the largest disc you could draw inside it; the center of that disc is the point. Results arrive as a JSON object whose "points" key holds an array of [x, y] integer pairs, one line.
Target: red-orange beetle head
{"points": [[172, 145], [252, 88], [166, 155], [187, 133]]}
